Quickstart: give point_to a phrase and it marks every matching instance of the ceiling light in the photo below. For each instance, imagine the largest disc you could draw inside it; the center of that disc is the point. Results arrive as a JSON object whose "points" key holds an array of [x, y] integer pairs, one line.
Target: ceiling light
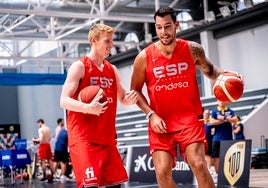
{"points": [[248, 3], [225, 11], [211, 16]]}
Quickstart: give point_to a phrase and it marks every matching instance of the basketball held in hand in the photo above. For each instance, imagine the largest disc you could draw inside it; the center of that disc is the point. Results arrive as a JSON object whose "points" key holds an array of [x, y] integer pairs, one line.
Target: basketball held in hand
{"points": [[228, 87], [88, 93]]}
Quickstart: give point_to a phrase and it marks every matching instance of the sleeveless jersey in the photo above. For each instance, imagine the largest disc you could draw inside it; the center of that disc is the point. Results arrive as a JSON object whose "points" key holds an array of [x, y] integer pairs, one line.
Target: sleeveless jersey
{"points": [[88, 127], [172, 86]]}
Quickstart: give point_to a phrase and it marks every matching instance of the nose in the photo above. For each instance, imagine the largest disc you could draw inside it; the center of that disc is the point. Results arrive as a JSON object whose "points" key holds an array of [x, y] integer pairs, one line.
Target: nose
{"points": [[111, 44], [162, 30]]}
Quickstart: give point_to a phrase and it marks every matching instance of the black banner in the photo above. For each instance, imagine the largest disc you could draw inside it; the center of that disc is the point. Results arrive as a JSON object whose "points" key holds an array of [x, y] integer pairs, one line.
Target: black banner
{"points": [[141, 169], [234, 166]]}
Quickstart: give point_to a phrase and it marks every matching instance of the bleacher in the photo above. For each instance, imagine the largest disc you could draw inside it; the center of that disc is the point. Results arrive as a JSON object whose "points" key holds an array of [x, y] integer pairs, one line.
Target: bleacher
{"points": [[132, 125], [245, 105], [131, 128]]}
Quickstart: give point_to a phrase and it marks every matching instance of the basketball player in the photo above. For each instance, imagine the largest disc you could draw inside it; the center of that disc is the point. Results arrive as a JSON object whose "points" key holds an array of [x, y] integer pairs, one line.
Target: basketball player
{"points": [[91, 127], [44, 149], [168, 67]]}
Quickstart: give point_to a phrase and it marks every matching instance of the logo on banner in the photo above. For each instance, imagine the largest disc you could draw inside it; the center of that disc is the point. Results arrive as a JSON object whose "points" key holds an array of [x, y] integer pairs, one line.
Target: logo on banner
{"points": [[142, 163], [234, 162]]}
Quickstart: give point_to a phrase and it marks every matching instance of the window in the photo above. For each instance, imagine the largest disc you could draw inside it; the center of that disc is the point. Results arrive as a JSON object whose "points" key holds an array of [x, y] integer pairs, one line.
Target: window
{"points": [[184, 18]]}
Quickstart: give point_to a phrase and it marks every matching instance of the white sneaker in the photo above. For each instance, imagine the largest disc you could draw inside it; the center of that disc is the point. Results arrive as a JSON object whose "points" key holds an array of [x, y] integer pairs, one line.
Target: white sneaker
{"points": [[211, 171], [63, 178], [215, 178]]}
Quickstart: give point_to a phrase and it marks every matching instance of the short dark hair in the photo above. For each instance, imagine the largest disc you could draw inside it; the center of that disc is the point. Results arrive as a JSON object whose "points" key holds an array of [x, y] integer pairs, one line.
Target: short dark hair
{"points": [[166, 11], [59, 120], [41, 121]]}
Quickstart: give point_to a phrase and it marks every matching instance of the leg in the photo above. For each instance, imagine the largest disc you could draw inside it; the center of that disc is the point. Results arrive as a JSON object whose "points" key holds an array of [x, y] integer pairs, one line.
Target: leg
{"points": [[208, 161], [195, 155], [208, 154], [216, 154], [43, 167], [163, 168], [51, 165], [63, 167], [216, 164], [55, 166]]}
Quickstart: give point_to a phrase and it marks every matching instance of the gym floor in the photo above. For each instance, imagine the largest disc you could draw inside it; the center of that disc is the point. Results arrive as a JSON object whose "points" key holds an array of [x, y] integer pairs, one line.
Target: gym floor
{"points": [[258, 179]]}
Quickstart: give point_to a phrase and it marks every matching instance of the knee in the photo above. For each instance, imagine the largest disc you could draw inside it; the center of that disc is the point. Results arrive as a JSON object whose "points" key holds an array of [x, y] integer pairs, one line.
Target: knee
{"points": [[163, 175], [198, 165]]}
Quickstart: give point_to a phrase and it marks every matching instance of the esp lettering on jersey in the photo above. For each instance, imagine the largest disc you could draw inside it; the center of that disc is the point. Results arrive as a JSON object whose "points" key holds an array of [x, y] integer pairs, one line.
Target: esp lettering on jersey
{"points": [[103, 82], [169, 70]]}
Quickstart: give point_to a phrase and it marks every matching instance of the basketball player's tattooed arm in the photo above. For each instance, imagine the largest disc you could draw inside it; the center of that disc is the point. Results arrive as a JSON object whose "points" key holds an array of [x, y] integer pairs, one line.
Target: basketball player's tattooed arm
{"points": [[200, 59]]}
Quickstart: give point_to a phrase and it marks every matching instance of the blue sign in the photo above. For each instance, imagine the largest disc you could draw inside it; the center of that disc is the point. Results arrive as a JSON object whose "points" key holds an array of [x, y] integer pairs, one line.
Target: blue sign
{"points": [[15, 158]]}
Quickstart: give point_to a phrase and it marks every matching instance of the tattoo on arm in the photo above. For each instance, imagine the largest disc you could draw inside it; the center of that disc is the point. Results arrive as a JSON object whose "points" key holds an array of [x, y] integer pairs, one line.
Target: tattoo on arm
{"points": [[200, 59]]}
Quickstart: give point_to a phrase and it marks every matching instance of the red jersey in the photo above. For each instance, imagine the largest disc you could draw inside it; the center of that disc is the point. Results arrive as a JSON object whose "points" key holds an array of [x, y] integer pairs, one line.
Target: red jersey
{"points": [[172, 86], [92, 128]]}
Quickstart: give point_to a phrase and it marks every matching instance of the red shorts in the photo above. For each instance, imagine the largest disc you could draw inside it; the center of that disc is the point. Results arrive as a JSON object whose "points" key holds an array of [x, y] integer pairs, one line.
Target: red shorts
{"points": [[169, 141], [97, 165], [44, 151]]}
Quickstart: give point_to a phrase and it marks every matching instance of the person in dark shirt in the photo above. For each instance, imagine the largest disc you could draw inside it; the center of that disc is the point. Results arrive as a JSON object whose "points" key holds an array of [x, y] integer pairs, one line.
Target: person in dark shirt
{"points": [[222, 118], [61, 155], [238, 129]]}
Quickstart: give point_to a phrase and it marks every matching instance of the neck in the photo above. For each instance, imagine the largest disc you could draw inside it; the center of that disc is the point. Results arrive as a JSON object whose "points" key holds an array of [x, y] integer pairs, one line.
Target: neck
{"points": [[167, 50], [97, 60]]}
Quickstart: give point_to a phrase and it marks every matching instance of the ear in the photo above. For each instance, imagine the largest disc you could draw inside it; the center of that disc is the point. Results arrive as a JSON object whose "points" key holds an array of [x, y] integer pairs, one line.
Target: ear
{"points": [[177, 25], [93, 40]]}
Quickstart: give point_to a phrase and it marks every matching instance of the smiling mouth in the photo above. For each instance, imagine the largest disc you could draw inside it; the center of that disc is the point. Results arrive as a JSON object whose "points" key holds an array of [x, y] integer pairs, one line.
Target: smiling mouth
{"points": [[165, 37]]}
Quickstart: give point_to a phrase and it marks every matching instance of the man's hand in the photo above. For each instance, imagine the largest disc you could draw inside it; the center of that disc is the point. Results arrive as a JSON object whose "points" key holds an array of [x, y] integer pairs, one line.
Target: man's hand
{"points": [[35, 140], [158, 125], [130, 97]]}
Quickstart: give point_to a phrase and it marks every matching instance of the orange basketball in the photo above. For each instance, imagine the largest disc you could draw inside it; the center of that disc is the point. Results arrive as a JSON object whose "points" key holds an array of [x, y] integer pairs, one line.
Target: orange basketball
{"points": [[88, 93], [228, 87]]}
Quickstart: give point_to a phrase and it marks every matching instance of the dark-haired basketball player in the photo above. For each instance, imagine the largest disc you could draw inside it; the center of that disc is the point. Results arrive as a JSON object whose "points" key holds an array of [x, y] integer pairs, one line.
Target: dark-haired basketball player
{"points": [[168, 68]]}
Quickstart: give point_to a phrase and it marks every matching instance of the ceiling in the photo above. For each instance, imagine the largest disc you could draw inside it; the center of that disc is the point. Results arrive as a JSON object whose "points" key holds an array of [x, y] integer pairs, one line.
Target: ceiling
{"points": [[63, 25]]}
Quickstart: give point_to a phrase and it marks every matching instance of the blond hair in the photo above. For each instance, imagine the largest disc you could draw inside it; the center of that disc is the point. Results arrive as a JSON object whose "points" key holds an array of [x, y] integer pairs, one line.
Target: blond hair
{"points": [[96, 29]]}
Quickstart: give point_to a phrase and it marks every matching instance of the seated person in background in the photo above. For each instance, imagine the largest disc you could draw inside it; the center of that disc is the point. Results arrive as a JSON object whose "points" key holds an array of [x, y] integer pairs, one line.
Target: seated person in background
{"points": [[238, 128], [209, 135]]}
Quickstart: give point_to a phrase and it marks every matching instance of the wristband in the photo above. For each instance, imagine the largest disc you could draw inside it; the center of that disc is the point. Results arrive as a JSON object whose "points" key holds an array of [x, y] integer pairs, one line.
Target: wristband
{"points": [[149, 114]]}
